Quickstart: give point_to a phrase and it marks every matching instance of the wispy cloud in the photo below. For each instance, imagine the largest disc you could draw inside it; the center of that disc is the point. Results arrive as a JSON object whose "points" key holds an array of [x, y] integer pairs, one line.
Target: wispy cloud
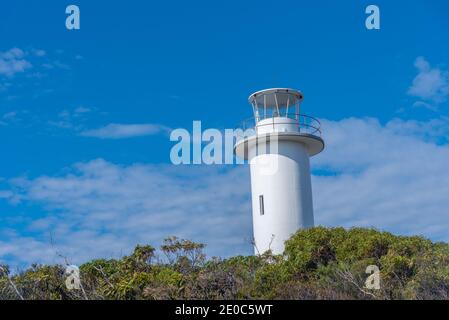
{"points": [[103, 209], [391, 176], [39, 52], [34, 63], [13, 117], [9, 115], [56, 64], [121, 131], [5, 194], [82, 109], [71, 118], [431, 83], [13, 61]]}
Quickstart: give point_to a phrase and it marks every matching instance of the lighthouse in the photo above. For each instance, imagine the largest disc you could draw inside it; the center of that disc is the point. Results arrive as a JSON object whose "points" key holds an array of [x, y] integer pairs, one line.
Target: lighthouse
{"points": [[277, 143]]}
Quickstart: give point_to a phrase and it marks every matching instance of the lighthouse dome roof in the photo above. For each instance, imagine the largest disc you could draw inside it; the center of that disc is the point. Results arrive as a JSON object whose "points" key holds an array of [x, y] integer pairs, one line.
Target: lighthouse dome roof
{"points": [[271, 98]]}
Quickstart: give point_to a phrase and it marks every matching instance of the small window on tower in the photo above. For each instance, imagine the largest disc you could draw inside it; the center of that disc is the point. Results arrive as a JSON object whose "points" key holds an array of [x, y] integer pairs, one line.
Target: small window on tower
{"points": [[261, 207]]}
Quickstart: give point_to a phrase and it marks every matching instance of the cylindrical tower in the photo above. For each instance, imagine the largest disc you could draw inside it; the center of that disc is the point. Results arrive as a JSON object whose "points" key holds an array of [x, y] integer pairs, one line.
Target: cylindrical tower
{"points": [[278, 146]]}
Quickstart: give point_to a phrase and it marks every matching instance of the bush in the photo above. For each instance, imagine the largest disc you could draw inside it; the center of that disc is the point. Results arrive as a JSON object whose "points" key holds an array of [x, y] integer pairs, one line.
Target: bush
{"points": [[318, 263]]}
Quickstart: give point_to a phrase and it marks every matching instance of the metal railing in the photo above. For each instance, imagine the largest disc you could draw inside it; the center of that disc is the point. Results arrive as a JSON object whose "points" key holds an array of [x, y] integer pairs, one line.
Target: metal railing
{"points": [[303, 123]]}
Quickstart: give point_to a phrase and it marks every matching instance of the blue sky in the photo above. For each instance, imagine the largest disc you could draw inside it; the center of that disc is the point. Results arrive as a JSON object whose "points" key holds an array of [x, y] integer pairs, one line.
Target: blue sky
{"points": [[84, 116]]}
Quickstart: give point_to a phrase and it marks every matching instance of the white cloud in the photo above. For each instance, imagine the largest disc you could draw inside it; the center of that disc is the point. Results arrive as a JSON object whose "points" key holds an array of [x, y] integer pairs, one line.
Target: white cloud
{"points": [[103, 209], [5, 194], [56, 64], [71, 118], [9, 115], [14, 117], [14, 53], [81, 109], [47, 65], [12, 62], [120, 131], [393, 177], [422, 104], [39, 52], [430, 84], [61, 65]]}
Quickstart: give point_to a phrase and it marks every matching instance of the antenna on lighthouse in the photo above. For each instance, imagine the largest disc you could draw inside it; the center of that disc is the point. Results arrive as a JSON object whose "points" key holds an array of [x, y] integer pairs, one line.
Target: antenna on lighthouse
{"points": [[281, 197]]}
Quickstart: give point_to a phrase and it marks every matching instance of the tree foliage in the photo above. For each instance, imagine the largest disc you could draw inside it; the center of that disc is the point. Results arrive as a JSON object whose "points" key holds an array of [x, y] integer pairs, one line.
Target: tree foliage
{"points": [[318, 263]]}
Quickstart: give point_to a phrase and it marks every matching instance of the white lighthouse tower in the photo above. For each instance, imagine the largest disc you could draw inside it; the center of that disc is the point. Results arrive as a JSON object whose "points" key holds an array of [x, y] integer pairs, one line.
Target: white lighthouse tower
{"points": [[278, 150]]}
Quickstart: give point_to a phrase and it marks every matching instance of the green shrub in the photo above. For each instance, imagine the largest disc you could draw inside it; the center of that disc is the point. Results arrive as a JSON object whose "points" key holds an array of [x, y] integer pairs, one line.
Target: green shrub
{"points": [[318, 263]]}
